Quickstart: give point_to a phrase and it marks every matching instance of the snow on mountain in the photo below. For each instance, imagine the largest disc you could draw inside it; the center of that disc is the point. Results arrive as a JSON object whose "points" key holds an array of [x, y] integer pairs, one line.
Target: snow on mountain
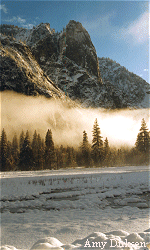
{"points": [[20, 72], [69, 60], [130, 89], [29, 36]]}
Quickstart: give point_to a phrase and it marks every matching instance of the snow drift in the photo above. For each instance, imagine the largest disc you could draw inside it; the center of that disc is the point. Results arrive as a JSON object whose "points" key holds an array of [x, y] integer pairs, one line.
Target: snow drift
{"points": [[63, 208]]}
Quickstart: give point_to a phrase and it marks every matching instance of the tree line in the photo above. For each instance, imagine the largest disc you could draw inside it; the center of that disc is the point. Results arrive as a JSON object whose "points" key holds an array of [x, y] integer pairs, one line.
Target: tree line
{"points": [[26, 154]]}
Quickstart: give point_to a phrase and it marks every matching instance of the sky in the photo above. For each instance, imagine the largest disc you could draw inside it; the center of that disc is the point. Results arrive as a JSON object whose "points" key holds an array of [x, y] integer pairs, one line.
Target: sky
{"points": [[118, 29]]}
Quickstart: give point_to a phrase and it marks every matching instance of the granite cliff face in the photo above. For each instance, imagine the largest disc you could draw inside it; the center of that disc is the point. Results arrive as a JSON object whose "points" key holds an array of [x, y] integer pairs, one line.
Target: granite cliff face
{"points": [[42, 61], [20, 71], [124, 87], [80, 49]]}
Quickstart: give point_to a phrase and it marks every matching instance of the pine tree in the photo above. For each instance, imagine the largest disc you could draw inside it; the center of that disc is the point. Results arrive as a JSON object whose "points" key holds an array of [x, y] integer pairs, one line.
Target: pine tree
{"points": [[26, 154], [85, 143], [40, 153], [61, 156], [97, 144], [4, 146], [21, 140], [15, 151], [143, 138], [86, 151], [120, 157], [106, 152], [49, 150], [35, 150], [106, 147], [71, 157], [10, 162]]}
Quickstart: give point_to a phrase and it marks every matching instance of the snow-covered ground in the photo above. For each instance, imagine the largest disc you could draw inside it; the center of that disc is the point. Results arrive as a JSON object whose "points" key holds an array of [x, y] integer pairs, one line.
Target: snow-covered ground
{"points": [[104, 208]]}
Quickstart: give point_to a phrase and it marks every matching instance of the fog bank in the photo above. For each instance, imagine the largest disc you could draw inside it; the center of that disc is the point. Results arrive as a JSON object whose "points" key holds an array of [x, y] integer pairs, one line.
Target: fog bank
{"points": [[67, 124]]}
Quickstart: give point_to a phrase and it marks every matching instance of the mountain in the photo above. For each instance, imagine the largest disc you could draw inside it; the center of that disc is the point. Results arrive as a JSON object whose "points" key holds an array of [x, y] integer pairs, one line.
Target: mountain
{"points": [[128, 89], [42, 61], [21, 72]]}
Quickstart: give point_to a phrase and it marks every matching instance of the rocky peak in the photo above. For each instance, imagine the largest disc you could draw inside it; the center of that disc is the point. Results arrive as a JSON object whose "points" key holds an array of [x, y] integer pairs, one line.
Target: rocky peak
{"points": [[77, 32], [38, 33], [76, 44], [20, 71], [124, 87], [39, 61], [30, 36]]}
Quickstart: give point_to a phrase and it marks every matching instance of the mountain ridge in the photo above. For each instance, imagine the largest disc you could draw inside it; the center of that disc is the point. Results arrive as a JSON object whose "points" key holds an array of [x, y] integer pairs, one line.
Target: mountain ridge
{"points": [[69, 63]]}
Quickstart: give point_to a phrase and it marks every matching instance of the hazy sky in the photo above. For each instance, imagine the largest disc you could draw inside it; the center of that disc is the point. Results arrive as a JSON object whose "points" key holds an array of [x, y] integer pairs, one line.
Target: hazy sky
{"points": [[118, 29]]}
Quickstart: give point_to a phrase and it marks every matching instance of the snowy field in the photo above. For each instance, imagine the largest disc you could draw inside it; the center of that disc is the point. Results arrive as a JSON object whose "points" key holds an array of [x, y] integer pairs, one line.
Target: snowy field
{"points": [[105, 208]]}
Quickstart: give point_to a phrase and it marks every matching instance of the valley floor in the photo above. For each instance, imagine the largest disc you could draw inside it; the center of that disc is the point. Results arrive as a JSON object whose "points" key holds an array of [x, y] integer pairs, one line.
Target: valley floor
{"points": [[71, 204]]}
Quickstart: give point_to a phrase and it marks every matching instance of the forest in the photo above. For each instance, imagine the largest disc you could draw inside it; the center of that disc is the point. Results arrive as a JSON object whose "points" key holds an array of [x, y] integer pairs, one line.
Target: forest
{"points": [[29, 154]]}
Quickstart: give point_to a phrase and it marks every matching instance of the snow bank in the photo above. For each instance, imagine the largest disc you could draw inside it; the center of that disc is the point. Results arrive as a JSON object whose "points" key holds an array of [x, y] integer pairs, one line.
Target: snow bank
{"points": [[69, 205], [8, 248], [111, 240], [47, 243]]}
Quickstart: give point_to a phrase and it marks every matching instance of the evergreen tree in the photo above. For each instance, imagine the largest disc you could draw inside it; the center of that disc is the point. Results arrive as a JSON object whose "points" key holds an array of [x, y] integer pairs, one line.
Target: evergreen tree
{"points": [[71, 158], [106, 147], [10, 162], [4, 146], [97, 144], [106, 152], [85, 143], [21, 140], [26, 154], [49, 150], [120, 157], [40, 153], [15, 151], [143, 139], [86, 152], [60, 159], [35, 150]]}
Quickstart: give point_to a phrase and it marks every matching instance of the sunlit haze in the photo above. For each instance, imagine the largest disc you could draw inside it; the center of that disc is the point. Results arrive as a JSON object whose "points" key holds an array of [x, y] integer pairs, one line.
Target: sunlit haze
{"points": [[67, 124]]}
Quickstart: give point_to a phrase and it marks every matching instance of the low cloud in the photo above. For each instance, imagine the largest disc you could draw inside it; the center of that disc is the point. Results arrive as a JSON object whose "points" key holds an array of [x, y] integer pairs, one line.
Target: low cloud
{"points": [[3, 8], [67, 124]]}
